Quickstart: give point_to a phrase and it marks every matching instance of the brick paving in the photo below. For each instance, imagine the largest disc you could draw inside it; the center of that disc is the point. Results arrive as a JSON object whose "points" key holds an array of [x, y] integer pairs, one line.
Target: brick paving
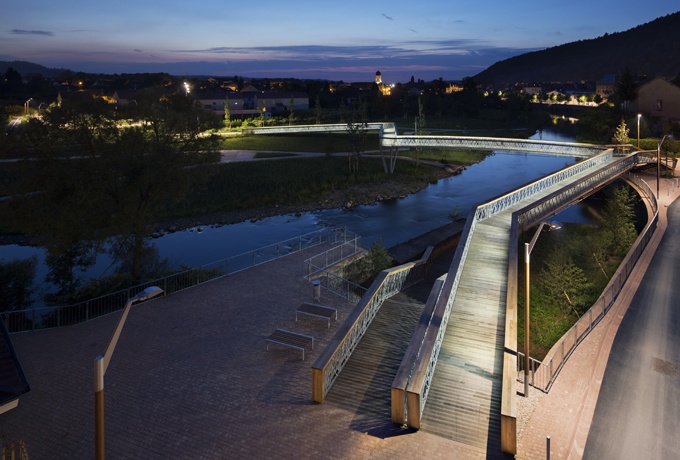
{"points": [[190, 379]]}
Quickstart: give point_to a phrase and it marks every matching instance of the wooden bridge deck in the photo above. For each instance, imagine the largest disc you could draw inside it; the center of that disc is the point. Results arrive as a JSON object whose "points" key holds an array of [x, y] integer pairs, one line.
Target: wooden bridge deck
{"points": [[464, 400]]}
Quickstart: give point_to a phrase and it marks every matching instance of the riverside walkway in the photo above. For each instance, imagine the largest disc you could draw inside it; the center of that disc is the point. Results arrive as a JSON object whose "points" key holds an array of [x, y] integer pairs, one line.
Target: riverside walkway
{"points": [[190, 378]]}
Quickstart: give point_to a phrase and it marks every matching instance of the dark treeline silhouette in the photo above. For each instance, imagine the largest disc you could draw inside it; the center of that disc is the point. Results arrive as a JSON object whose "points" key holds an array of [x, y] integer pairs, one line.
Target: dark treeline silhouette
{"points": [[650, 49]]}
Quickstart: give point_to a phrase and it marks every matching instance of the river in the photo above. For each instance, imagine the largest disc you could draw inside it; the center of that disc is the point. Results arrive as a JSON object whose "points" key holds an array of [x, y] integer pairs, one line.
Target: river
{"points": [[392, 222]]}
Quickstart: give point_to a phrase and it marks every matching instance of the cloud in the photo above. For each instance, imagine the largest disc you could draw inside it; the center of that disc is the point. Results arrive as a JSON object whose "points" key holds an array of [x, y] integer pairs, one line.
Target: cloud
{"points": [[137, 50], [387, 17], [307, 53], [31, 32]]}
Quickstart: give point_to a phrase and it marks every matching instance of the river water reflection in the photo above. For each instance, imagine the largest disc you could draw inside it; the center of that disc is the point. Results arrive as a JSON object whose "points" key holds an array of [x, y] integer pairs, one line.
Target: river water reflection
{"points": [[393, 221]]}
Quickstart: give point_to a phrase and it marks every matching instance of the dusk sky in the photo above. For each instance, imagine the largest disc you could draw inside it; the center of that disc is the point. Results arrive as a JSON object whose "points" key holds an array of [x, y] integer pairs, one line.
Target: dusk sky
{"points": [[342, 40]]}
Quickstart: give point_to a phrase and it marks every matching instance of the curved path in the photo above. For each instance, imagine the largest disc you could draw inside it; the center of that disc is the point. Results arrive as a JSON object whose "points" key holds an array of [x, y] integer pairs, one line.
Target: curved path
{"points": [[638, 410], [565, 415]]}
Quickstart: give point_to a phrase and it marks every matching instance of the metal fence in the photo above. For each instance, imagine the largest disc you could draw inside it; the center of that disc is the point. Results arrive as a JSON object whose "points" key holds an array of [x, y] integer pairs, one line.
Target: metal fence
{"points": [[320, 262], [50, 317], [543, 374], [389, 282]]}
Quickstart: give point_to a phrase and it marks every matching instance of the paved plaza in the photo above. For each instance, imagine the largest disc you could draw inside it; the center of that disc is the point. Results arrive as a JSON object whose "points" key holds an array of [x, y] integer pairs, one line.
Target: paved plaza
{"points": [[190, 379]]}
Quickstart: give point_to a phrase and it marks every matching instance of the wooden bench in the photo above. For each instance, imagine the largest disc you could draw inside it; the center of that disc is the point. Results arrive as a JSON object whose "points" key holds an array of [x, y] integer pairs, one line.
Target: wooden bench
{"points": [[290, 339], [318, 311]]}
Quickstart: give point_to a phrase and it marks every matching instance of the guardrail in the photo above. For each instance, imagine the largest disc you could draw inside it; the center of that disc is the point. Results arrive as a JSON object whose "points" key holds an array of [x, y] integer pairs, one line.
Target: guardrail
{"points": [[50, 317], [407, 406], [544, 373], [389, 282], [320, 262], [336, 284]]}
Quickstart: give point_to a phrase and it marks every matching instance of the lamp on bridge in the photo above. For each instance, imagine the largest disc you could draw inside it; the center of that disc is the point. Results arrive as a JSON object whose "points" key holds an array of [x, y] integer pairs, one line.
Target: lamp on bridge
{"points": [[528, 247], [102, 362], [638, 117]]}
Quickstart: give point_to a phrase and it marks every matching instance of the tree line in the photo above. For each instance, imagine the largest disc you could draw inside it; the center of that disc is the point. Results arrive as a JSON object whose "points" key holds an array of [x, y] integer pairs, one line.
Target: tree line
{"points": [[94, 176]]}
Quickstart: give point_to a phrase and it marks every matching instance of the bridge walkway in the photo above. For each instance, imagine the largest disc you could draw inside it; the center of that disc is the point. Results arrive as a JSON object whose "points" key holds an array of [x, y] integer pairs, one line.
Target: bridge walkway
{"points": [[464, 401], [363, 386]]}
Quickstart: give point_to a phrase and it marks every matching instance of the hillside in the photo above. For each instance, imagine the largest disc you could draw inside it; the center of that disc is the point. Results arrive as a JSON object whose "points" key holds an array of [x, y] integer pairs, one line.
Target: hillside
{"points": [[650, 49], [29, 68]]}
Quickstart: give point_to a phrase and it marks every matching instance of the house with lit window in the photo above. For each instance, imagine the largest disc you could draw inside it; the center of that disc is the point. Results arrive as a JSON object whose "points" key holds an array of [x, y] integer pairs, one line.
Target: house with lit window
{"points": [[249, 102], [659, 99], [606, 86]]}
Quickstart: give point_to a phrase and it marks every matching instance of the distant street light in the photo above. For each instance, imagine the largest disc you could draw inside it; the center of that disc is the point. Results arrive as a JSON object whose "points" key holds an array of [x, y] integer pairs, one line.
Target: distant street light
{"points": [[102, 362], [638, 117], [186, 88], [26, 106], [528, 247]]}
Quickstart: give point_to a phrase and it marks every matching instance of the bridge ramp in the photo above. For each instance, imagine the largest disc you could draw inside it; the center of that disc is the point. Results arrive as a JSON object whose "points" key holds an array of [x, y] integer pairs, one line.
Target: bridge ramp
{"points": [[464, 401], [465, 398], [363, 386]]}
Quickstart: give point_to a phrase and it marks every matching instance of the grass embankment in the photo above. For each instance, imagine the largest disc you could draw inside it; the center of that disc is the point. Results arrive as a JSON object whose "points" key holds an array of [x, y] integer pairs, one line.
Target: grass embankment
{"points": [[551, 318], [258, 189], [569, 272], [241, 191]]}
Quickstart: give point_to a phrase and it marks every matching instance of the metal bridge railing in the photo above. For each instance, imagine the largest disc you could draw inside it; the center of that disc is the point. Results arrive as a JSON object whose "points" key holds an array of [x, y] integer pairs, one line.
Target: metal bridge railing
{"points": [[422, 370], [58, 316], [544, 373], [328, 365], [321, 262]]}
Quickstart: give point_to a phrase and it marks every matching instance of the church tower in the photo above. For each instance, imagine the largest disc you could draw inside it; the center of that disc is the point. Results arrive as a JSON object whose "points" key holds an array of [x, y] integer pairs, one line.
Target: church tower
{"points": [[378, 78]]}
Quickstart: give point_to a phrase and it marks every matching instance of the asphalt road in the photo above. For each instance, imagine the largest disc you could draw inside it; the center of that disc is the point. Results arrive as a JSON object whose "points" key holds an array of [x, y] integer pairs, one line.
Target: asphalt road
{"points": [[638, 410]]}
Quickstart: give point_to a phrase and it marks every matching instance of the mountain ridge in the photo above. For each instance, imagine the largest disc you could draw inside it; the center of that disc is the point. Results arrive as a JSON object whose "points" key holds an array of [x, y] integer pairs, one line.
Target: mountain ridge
{"points": [[647, 49]]}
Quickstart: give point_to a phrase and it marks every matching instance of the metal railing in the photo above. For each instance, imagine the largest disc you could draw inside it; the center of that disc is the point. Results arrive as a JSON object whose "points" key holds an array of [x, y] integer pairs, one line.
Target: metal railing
{"points": [[544, 372], [389, 282], [58, 316], [336, 284], [320, 262]]}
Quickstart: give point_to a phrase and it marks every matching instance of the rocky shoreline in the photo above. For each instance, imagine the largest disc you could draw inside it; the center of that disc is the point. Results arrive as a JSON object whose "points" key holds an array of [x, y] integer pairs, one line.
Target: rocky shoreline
{"points": [[364, 194]]}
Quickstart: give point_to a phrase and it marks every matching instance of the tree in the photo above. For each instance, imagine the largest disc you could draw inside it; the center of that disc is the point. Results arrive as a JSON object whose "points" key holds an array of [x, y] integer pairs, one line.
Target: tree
{"points": [[621, 133], [565, 283], [92, 180], [357, 133], [262, 110], [618, 224], [626, 90], [11, 84], [291, 111], [16, 280], [317, 110], [227, 113], [419, 126]]}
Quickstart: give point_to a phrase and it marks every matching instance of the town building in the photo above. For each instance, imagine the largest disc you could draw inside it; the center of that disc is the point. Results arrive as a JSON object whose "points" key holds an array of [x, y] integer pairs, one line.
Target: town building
{"points": [[660, 99]]}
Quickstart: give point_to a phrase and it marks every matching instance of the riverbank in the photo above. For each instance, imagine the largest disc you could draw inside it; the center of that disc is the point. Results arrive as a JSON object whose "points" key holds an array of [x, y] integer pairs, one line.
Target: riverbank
{"points": [[347, 198]]}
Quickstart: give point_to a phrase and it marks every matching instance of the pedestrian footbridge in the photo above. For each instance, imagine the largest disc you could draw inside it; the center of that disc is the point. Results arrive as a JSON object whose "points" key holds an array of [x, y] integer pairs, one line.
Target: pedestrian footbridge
{"points": [[457, 369]]}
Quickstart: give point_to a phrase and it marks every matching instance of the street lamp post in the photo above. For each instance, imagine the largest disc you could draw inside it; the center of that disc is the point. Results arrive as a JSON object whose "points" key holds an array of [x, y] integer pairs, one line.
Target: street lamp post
{"points": [[26, 106], [102, 362], [528, 247], [638, 117]]}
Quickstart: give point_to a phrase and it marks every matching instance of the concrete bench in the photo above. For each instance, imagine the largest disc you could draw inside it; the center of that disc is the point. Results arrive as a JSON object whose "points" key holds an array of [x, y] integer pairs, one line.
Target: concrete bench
{"points": [[318, 311], [291, 339]]}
